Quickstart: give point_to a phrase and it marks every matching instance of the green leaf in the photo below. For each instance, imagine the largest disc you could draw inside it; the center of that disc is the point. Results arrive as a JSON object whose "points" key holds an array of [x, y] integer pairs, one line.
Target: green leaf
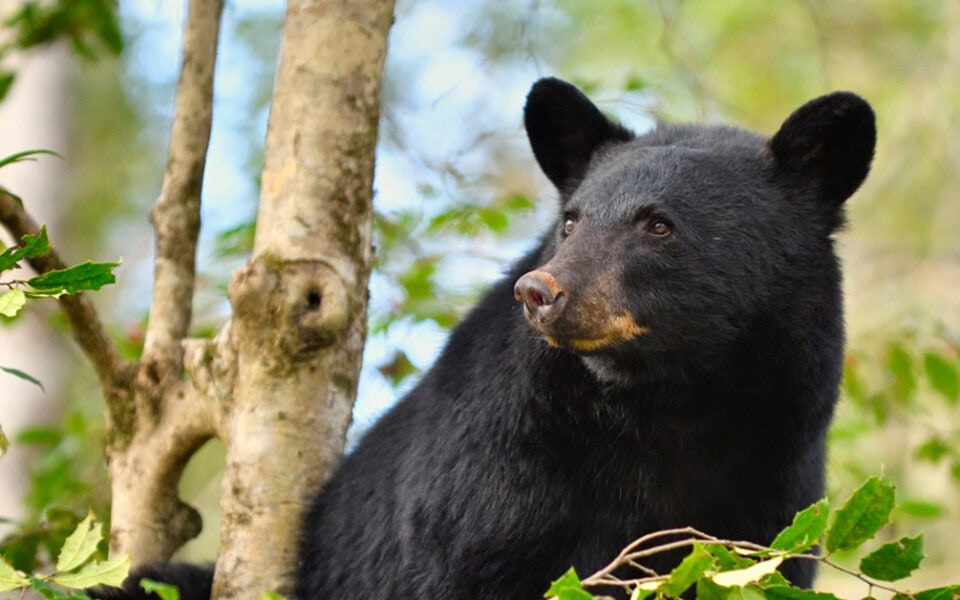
{"points": [[46, 590], [398, 368], [237, 241], [727, 560], [6, 81], [933, 450], [853, 385], [894, 560], [642, 591], [773, 580], [271, 596], [687, 572], [807, 529], [921, 509], [900, 367], [708, 590], [867, 510], [166, 591], [4, 442], [108, 572], [634, 83], [417, 281], [11, 302], [9, 578], [494, 220], [746, 593], [30, 246], [85, 276], [943, 376], [25, 155], [79, 545], [568, 587], [22, 375], [742, 577], [951, 592], [515, 203], [785, 592]]}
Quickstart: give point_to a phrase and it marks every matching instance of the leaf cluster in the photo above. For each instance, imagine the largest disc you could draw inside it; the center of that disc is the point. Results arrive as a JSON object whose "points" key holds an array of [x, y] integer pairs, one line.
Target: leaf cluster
{"points": [[90, 27], [50, 284], [910, 381], [732, 570], [77, 568]]}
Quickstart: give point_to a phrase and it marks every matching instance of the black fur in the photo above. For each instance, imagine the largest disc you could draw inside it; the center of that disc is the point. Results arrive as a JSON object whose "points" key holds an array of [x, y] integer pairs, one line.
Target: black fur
{"points": [[514, 459], [194, 581]]}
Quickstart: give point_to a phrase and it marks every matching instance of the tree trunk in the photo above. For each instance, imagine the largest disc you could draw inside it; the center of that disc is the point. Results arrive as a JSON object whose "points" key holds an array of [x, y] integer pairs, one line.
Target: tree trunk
{"points": [[300, 303], [277, 384]]}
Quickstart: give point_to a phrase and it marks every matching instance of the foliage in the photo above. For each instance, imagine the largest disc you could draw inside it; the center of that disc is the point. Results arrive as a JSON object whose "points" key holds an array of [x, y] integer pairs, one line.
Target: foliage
{"points": [[65, 478], [907, 383], [728, 569], [51, 284], [90, 27], [164, 590], [79, 566], [728, 60]]}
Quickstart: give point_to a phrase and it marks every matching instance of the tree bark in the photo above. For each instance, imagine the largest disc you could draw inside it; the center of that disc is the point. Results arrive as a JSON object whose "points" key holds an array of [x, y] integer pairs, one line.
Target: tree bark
{"points": [[278, 382], [300, 303], [153, 433]]}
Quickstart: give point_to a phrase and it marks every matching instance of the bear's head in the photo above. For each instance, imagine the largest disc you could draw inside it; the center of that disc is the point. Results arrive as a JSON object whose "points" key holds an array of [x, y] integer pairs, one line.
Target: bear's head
{"points": [[690, 239]]}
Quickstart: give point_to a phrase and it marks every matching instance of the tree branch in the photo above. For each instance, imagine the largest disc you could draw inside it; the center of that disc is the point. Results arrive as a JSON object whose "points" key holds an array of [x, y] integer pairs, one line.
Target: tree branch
{"points": [[176, 215], [149, 521], [113, 371], [169, 419]]}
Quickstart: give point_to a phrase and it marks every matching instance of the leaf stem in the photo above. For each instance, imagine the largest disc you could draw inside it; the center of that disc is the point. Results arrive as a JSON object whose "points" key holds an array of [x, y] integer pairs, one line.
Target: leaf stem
{"points": [[112, 370]]}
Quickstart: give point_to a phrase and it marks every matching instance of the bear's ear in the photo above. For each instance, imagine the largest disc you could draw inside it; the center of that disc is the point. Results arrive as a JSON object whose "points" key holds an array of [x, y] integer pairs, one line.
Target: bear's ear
{"points": [[565, 129], [829, 143]]}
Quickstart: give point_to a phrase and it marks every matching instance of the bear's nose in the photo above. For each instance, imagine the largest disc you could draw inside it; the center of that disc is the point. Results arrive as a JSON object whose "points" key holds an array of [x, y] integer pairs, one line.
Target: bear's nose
{"points": [[543, 298]]}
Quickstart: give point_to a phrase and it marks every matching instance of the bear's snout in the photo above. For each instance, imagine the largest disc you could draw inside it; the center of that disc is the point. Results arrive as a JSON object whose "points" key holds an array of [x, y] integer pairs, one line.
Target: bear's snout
{"points": [[543, 298]]}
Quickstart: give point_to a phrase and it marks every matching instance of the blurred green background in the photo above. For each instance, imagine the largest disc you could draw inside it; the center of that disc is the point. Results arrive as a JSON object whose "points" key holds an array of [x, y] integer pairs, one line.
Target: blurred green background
{"points": [[459, 195]]}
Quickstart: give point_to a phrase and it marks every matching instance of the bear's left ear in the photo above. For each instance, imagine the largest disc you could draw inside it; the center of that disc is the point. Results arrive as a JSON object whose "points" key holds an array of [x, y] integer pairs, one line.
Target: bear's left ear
{"points": [[565, 130], [828, 142]]}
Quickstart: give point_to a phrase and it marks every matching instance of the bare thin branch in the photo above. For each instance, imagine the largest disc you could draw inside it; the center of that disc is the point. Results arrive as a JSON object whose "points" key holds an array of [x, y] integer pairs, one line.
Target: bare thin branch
{"points": [[113, 371], [870, 582], [626, 554], [630, 555], [176, 215]]}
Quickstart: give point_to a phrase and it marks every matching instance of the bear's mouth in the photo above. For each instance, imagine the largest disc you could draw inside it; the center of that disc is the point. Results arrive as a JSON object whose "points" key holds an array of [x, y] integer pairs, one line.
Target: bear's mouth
{"points": [[614, 331]]}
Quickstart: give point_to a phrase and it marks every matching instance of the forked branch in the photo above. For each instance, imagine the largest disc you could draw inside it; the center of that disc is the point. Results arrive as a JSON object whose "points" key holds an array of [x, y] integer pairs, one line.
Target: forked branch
{"points": [[113, 371]]}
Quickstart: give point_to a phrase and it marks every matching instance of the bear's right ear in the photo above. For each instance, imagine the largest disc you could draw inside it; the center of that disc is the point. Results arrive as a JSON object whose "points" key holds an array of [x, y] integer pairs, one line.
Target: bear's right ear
{"points": [[565, 129], [828, 142]]}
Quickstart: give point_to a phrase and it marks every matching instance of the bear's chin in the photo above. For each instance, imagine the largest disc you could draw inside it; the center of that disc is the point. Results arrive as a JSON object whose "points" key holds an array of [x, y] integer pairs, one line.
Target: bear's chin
{"points": [[608, 371]]}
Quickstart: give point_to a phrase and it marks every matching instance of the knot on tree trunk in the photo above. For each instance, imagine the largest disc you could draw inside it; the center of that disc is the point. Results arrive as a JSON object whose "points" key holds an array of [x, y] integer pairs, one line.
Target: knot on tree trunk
{"points": [[294, 308], [186, 521]]}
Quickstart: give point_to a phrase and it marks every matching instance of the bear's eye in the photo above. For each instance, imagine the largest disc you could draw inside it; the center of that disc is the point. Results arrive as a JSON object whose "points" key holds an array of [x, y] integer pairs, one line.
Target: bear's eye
{"points": [[568, 226], [659, 227]]}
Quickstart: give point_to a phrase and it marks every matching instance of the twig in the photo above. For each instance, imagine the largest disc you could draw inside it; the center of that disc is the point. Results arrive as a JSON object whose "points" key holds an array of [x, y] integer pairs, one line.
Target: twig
{"points": [[176, 215], [871, 583], [629, 556], [112, 370], [626, 552]]}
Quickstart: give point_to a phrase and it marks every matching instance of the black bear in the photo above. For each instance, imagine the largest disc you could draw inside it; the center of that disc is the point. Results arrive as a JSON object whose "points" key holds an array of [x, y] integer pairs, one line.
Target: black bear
{"points": [[668, 355]]}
